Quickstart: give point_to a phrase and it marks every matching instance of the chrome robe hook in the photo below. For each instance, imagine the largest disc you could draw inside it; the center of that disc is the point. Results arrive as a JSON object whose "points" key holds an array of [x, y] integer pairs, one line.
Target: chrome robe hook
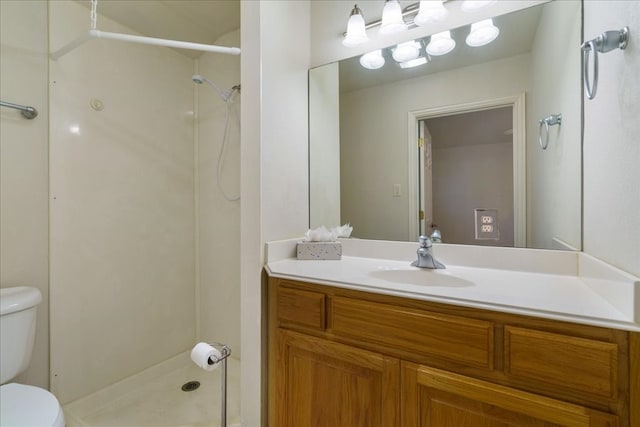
{"points": [[604, 43]]}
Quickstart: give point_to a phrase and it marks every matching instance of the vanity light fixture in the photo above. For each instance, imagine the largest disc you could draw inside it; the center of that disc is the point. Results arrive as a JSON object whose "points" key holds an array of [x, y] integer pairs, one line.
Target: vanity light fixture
{"points": [[473, 5], [372, 60], [441, 44], [356, 33], [430, 11], [392, 21], [414, 62], [406, 51], [482, 33]]}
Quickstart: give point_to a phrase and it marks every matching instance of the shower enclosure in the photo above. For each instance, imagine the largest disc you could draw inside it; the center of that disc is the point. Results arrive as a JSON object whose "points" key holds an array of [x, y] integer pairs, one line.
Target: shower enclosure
{"points": [[144, 247]]}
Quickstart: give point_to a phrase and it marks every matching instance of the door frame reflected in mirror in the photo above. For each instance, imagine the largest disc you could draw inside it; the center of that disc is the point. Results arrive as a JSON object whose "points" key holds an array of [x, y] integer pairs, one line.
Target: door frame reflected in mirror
{"points": [[517, 103]]}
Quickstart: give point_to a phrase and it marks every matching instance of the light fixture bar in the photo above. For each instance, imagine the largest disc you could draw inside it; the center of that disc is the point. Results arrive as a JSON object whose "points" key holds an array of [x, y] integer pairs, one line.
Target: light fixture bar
{"points": [[412, 9]]}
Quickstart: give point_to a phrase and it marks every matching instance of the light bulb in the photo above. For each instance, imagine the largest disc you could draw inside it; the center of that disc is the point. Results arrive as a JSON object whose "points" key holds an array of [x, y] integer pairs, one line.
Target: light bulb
{"points": [[441, 44], [482, 33], [372, 60], [406, 51], [430, 11], [356, 32], [392, 21]]}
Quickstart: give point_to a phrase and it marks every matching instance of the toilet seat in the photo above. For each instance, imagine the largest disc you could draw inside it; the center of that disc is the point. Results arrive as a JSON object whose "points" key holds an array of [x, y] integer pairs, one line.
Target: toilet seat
{"points": [[27, 406]]}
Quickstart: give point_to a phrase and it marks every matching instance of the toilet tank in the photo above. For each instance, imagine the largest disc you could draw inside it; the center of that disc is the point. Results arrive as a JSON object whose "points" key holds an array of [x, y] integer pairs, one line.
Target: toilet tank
{"points": [[17, 329]]}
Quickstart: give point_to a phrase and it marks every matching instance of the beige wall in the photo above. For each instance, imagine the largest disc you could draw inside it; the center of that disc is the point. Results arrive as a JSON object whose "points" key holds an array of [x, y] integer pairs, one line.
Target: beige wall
{"points": [[218, 235], [24, 165], [382, 142], [554, 175], [274, 164], [612, 142], [122, 208], [324, 146], [467, 177]]}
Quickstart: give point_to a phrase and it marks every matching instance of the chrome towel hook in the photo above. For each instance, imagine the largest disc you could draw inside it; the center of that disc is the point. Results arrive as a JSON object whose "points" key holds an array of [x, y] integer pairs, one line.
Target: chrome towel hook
{"points": [[605, 42], [551, 120]]}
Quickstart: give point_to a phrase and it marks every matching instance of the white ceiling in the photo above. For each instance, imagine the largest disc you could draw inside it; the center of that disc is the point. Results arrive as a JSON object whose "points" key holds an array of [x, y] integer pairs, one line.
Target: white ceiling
{"points": [[198, 21]]}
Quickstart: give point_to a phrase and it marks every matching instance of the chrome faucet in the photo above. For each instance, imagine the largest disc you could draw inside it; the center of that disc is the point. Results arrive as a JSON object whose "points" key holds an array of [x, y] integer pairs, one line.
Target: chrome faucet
{"points": [[425, 257]]}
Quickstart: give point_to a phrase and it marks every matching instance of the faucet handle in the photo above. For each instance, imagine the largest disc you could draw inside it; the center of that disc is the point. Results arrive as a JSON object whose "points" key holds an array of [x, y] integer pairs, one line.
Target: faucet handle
{"points": [[425, 242]]}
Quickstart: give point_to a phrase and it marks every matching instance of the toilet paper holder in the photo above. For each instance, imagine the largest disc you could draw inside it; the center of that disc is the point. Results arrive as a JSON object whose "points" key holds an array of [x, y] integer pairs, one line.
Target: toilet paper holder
{"points": [[225, 352]]}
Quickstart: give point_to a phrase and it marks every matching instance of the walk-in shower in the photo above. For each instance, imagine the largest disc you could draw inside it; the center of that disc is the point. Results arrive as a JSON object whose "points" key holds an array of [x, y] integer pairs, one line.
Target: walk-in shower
{"points": [[143, 247]]}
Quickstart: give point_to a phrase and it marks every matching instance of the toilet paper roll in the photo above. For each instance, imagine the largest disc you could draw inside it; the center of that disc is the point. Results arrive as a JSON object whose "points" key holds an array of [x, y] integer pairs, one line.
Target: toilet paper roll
{"points": [[203, 355]]}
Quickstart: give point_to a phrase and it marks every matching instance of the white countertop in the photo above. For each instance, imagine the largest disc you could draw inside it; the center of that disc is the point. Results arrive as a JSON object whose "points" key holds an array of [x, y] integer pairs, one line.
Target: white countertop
{"points": [[596, 297]]}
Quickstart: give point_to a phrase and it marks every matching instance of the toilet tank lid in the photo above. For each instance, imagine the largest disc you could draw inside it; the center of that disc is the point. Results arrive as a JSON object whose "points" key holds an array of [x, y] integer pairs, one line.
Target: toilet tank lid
{"points": [[18, 298]]}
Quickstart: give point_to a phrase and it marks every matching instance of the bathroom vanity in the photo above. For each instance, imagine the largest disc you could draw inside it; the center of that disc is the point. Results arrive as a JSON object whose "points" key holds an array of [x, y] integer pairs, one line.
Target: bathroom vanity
{"points": [[370, 342]]}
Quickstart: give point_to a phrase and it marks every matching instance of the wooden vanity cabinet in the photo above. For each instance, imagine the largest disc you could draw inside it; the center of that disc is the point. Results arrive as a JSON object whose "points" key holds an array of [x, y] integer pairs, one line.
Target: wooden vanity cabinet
{"points": [[339, 357], [324, 383]]}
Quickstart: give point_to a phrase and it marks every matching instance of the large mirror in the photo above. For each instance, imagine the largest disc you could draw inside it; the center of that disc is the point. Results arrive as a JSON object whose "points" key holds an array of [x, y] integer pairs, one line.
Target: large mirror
{"points": [[456, 143]]}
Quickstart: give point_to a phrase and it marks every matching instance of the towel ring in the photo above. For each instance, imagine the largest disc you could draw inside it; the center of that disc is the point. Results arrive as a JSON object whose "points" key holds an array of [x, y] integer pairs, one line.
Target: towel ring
{"points": [[589, 88], [551, 120], [605, 42]]}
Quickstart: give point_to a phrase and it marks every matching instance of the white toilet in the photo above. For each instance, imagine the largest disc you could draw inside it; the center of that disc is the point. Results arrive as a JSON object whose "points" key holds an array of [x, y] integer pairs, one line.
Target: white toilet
{"points": [[22, 405]]}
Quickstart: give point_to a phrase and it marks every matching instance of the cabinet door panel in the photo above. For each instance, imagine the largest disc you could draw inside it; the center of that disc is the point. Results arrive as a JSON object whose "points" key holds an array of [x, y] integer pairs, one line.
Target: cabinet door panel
{"points": [[325, 384], [435, 398]]}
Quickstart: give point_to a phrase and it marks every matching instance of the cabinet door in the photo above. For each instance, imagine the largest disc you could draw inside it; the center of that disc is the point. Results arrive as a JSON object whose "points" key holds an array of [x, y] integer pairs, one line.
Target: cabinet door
{"points": [[436, 398], [324, 384]]}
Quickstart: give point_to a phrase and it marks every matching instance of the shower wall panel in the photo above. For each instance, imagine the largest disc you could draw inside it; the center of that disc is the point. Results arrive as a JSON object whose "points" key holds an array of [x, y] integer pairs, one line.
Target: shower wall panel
{"points": [[122, 206], [219, 218]]}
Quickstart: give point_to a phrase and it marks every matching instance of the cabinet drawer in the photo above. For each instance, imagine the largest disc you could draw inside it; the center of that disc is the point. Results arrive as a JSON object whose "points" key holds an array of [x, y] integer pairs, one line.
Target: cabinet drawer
{"points": [[302, 308], [573, 364], [451, 338]]}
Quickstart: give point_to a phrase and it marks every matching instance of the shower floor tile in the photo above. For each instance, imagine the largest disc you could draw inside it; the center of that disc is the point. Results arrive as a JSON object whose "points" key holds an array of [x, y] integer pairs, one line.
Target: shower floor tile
{"points": [[159, 401]]}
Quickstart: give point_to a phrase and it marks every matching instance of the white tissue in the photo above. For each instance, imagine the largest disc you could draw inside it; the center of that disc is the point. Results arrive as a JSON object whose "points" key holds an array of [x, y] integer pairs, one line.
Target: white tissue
{"points": [[202, 353], [345, 230], [323, 234]]}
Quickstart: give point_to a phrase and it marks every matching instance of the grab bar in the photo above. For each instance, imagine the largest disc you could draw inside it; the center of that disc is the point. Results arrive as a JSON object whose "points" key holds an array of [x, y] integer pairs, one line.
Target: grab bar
{"points": [[27, 112], [604, 43], [551, 120]]}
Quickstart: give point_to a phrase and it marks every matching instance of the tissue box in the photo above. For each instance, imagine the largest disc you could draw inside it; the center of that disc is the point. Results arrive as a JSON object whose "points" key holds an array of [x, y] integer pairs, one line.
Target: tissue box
{"points": [[320, 250]]}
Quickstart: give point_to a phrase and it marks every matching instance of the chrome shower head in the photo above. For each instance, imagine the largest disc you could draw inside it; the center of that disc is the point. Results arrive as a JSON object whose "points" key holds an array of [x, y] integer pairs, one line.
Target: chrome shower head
{"points": [[226, 96]]}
